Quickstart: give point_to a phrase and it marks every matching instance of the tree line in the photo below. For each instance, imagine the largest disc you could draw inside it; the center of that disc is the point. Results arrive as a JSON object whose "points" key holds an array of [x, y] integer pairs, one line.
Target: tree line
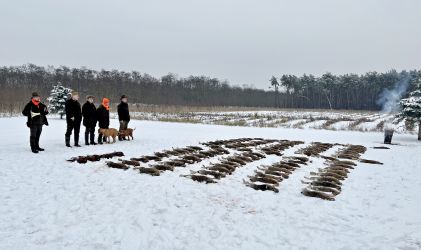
{"points": [[349, 91]]}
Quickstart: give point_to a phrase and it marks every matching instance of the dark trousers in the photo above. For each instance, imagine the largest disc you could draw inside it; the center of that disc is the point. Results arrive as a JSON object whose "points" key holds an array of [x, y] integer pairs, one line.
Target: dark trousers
{"points": [[89, 134], [124, 125], [35, 131], [73, 125]]}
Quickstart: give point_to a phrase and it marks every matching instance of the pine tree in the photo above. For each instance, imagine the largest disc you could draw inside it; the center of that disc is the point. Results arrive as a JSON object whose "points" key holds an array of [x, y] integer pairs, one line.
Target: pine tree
{"points": [[57, 100], [411, 109]]}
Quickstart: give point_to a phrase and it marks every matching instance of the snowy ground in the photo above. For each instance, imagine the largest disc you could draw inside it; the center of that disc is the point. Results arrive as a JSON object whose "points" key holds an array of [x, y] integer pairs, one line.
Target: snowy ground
{"points": [[48, 203], [303, 119]]}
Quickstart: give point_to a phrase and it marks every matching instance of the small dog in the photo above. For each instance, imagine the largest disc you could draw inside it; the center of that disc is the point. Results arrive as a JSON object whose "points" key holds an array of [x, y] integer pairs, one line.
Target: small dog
{"points": [[126, 133], [107, 133]]}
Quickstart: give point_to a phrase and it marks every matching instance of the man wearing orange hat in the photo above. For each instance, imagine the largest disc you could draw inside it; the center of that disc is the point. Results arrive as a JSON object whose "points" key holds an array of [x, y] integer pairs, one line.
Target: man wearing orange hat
{"points": [[103, 116]]}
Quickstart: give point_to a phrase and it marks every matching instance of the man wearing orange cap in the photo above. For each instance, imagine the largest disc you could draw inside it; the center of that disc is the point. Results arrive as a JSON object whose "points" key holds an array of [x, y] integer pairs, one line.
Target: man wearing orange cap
{"points": [[103, 116]]}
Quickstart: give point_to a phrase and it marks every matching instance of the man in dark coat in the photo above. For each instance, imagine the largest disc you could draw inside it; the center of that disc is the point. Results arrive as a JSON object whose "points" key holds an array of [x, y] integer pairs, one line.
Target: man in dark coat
{"points": [[36, 113], [103, 116], [123, 114], [89, 119], [73, 118]]}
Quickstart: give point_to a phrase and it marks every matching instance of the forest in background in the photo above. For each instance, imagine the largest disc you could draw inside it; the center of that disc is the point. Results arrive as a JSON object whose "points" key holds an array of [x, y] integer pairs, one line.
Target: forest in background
{"points": [[328, 91]]}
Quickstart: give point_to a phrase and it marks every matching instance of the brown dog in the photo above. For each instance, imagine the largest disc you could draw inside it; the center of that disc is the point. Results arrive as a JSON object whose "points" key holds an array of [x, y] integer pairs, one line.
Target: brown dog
{"points": [[126, 133], [107, 133]]}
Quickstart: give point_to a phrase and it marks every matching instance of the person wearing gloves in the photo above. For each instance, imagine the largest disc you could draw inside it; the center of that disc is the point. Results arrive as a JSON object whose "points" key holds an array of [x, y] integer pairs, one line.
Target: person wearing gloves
{"points": [[73, 118], [36, 112]]}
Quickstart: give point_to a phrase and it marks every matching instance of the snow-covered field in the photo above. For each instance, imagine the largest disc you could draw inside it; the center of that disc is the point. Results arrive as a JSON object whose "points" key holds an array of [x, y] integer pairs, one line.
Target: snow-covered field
{"points": [[363, 121], [49, 203]]}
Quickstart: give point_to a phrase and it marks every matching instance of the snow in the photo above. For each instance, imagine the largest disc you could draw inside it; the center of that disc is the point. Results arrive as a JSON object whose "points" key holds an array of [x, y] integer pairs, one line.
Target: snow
{"points": [[48, 203]]}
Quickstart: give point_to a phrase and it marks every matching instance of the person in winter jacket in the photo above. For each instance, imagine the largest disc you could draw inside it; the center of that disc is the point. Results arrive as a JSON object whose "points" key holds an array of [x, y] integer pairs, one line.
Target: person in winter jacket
{"points": [[123, 114], [73, 118], [89, 120], [36, 113], [103, 117]]}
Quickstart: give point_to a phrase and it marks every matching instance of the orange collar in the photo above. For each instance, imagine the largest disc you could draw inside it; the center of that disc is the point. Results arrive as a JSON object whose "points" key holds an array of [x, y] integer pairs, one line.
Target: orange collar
{"points": [[106, 103]]}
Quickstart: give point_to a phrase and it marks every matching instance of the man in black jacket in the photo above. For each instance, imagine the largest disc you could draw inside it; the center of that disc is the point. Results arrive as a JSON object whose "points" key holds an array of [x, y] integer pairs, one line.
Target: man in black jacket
{"points": [[103, 116], [123, 114], [36, 113], [89, 119], [73, 118]]}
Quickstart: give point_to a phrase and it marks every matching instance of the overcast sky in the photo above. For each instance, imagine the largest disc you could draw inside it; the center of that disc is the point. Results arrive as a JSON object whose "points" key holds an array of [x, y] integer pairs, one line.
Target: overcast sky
{"points": [[242, 41]]}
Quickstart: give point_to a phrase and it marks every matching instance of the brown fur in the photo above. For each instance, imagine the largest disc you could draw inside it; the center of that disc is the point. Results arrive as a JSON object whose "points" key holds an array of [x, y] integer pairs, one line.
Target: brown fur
{"points": [[117, 165], [266, 179], [126, 134], [334, 191], [220, 169], [215, 174], [200, 178], [131, 163], [276, 173], [163, 167], [150, 171], [261, 187], [318, 194], [261, 174], [108, 134]]}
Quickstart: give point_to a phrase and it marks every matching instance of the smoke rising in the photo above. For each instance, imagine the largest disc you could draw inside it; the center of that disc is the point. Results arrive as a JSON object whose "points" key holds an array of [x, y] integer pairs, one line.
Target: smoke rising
{"points": [[389, 98]]}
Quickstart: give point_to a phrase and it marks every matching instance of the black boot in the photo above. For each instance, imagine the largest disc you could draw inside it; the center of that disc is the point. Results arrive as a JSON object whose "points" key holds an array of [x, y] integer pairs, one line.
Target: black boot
{"points": [[92, 137], [86, 138], [68, 141], [77, 141], [100, 139], [37, 145], [33, 145]]}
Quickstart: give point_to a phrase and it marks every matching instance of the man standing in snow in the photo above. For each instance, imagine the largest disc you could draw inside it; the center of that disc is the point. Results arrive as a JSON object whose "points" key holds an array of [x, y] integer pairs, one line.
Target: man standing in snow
{"points": [[89, 120], [36, 113], [103, 116], [123, 114], [73, 118]]}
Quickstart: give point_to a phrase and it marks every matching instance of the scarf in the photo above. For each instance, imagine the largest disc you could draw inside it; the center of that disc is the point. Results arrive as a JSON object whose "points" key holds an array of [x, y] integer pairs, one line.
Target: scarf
{"points": [[35, 102], [106, 103]]}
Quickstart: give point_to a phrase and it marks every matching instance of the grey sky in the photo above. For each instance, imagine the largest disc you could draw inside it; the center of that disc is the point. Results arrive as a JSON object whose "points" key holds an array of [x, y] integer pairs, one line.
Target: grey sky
{"points": [[242, 41]]}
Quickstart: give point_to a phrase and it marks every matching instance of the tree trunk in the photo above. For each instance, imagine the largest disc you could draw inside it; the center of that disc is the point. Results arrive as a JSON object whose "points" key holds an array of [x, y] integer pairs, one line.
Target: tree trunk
{"points": [[419, 131]]}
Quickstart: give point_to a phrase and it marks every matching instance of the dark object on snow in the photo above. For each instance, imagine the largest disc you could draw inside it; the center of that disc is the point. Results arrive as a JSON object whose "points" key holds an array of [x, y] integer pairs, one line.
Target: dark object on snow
{"points": [[84, 159], [93, 157], [131, 162], [388, 134], [163, 167], [117, 165], [381, 147], [150, 171], [318, 194], [200, 178], [261, 187], [371, 161]]}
